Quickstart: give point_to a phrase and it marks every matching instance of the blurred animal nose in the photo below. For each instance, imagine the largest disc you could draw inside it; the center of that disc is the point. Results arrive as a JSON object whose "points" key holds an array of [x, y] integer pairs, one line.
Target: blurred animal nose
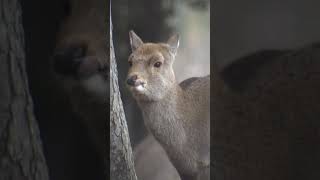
{"points": [[132, 80], [67, 60]]}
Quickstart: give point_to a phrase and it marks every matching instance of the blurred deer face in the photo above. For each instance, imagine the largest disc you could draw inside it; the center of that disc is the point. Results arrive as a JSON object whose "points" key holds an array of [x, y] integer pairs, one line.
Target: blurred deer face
{"points": [[80, 57], [150, 73]]}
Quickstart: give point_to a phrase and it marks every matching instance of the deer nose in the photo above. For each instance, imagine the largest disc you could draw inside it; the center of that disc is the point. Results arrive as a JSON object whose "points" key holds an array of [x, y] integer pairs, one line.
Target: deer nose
{"points": [[132, 80], [67, 60]]}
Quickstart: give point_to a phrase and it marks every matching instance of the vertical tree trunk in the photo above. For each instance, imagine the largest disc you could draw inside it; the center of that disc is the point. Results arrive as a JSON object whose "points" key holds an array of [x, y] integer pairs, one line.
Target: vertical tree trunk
{"points": [[21, 156], [121, 160]]}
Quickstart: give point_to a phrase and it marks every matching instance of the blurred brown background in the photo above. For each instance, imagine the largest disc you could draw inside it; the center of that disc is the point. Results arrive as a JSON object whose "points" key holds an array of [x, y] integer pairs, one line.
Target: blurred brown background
{"points": [[242, 27]]}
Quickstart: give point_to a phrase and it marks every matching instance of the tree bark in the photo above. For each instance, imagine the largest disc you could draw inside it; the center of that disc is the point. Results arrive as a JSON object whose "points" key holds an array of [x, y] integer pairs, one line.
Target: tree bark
{"points": [[21, 156], [121, 160]]}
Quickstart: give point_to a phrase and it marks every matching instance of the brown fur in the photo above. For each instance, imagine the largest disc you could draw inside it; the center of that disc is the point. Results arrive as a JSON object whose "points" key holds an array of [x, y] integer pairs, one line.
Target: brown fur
{"points": [[178, 117], [88, 88], [266, 116], [152, 162], [88, 93]]}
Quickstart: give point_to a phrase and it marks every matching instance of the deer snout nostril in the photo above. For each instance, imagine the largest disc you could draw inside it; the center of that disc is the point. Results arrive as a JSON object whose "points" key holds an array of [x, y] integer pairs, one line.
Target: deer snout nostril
{"points": [[132, 80]]}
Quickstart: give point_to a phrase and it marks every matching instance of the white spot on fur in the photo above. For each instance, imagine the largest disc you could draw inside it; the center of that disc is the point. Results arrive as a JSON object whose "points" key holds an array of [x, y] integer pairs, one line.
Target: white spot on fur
{"points": [[140, 88], [97, 85]]}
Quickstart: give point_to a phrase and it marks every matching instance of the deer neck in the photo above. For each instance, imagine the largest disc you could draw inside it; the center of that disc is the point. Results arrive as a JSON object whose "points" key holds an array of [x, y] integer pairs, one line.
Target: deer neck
{"points": [[164, 119]]}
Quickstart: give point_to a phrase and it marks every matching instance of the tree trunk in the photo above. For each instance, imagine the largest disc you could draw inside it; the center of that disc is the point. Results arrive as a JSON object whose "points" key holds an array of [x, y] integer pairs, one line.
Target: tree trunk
{"points": [[21, 156], [121, 160]]}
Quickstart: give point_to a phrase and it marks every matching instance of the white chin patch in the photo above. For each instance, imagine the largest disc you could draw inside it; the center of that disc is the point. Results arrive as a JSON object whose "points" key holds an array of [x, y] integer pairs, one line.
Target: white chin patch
{"points": [[96, 85], [139, 88]]}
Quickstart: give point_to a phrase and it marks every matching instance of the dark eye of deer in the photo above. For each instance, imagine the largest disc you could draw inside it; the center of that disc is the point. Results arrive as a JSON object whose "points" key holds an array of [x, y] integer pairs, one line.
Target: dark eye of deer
{"points": [[130, 63], [157, 64]]}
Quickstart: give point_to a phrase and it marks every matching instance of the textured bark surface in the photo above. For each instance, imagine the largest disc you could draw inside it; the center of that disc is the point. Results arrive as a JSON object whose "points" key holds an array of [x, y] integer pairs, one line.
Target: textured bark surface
{"points": [[121, 160], [21, 156], [265, 114]]}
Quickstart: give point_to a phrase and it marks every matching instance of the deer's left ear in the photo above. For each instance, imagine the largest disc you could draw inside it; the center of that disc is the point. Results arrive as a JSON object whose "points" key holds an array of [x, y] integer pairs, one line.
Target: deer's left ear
{"points": [[173, 43], [135, 40]]}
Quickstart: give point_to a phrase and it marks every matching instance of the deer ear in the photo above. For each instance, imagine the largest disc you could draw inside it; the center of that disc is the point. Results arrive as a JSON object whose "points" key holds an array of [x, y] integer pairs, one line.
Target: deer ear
{"points": [[173, 43], [135, 41]]}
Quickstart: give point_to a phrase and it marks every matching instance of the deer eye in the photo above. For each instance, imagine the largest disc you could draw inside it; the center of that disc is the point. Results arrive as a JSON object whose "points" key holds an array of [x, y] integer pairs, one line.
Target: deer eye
{"points": [[157, 64], [130, 63]]}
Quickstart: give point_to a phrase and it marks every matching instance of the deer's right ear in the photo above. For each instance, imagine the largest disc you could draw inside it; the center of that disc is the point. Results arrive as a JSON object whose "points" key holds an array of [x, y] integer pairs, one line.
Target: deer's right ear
{"points": [[173, 42], [135, 41]]}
